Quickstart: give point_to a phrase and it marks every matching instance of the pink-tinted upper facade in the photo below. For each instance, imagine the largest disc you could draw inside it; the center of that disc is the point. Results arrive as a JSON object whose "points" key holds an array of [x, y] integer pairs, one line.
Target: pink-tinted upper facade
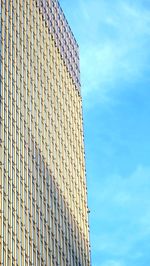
{"points": [[62, 35]]}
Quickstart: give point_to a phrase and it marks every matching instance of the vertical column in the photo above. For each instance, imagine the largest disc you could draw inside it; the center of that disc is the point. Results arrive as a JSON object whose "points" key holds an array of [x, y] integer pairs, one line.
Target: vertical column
{"points": [[21, 259], [26, 147], [37, 141], [30, 88], [7, 186], [1, 124], [11, 178]]}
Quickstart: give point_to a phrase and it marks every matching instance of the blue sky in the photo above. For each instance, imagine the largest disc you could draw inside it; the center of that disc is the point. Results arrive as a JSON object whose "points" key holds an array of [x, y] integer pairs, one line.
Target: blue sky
{"points": [[114, 40]]}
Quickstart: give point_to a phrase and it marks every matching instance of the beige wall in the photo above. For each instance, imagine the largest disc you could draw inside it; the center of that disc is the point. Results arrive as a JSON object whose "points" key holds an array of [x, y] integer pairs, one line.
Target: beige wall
{"points": [[44, 194]]}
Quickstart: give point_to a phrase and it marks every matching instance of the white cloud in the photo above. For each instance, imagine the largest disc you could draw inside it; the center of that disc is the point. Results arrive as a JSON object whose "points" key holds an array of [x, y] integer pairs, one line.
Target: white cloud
{"points": [[114, 39], [124, 213], [114, 44], [112, 263]]}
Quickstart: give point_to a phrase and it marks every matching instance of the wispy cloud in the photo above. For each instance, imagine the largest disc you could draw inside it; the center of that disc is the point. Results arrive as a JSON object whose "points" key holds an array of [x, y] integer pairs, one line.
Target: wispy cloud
{"points": [[115, 38], [124, 221], [112, 263]]}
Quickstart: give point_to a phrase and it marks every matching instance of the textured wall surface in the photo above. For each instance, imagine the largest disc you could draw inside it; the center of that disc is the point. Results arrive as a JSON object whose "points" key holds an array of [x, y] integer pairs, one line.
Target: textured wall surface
{"points": [[43, 219]]}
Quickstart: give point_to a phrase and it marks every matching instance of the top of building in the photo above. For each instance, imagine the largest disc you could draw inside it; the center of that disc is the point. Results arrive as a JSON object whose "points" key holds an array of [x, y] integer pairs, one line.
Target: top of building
{"points": [[62, 35]]}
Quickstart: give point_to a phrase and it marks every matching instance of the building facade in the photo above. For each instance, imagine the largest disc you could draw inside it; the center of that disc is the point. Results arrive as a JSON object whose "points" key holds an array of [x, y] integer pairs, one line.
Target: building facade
{"points": [[43, 195]]}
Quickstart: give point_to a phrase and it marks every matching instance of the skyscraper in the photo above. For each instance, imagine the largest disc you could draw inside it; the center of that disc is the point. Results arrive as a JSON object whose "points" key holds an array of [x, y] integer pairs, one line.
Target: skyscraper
{"points": [[43, 196]]}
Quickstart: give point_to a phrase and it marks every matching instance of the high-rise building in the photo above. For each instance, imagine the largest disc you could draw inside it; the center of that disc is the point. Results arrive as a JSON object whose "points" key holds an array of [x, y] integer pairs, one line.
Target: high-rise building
{"points": [[43, 195]]}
